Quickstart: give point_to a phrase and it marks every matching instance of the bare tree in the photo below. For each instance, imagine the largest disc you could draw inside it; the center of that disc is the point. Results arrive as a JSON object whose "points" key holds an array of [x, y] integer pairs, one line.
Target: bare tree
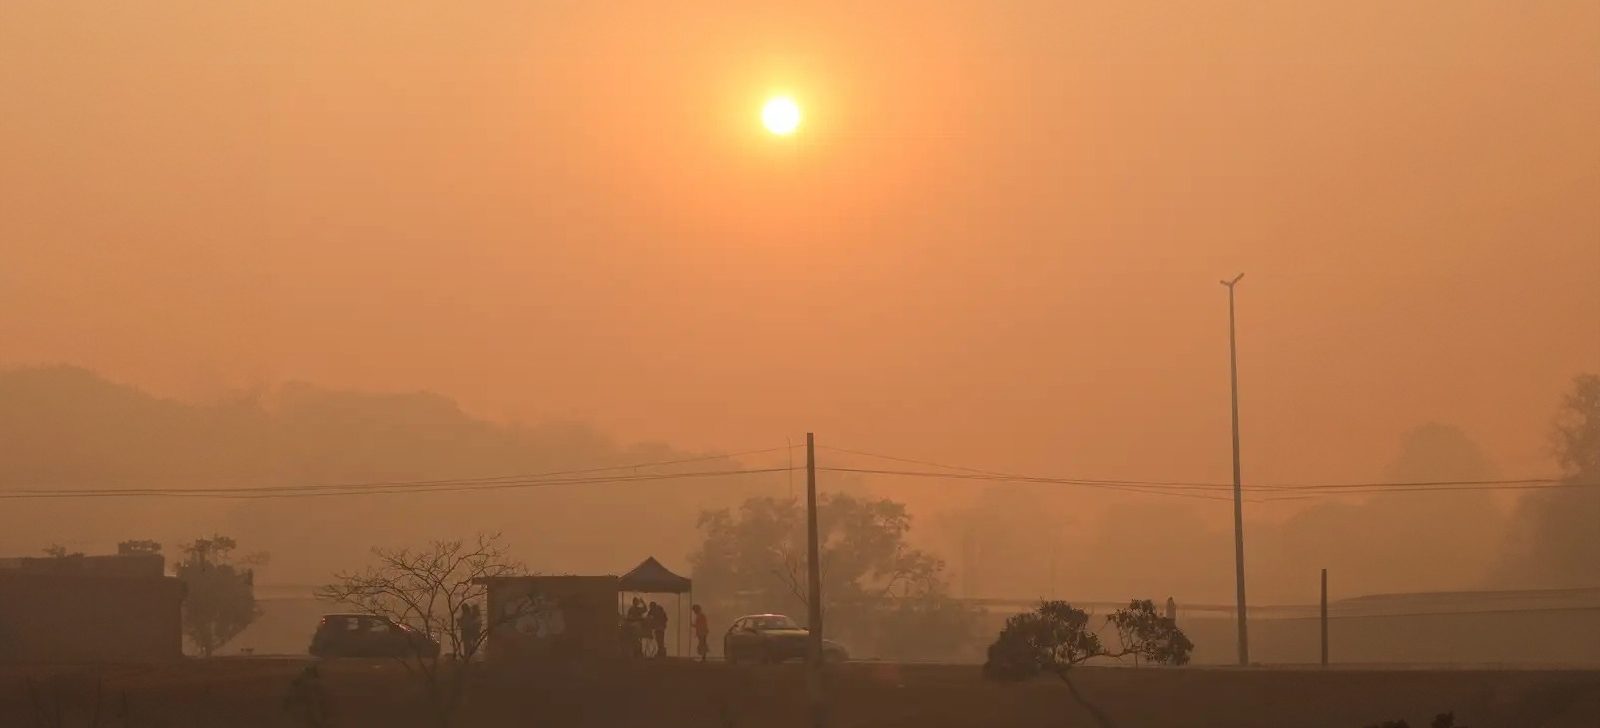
{"points": [[426, 589]]}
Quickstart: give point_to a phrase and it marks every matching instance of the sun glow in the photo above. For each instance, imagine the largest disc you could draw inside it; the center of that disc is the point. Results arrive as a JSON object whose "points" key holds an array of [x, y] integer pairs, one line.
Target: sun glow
{"points": [[781, 115]]}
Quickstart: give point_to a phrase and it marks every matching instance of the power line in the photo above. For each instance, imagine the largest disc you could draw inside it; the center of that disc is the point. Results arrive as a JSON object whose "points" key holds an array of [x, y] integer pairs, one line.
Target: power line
{"points": [[1281, 612], [1127, 485], [1281, 491], [325, 491], [591, 476], [1128, 488], [1386, 489], [913, 461], [1157, 488], [385, 484]]}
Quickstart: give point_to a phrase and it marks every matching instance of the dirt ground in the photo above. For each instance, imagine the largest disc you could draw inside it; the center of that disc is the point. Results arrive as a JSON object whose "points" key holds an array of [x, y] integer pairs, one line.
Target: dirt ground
{"points": [[358, 693]]}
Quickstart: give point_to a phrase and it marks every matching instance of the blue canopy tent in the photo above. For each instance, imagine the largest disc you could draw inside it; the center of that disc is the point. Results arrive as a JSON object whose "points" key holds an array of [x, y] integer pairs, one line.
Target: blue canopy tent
{"points": [[650, 577]]}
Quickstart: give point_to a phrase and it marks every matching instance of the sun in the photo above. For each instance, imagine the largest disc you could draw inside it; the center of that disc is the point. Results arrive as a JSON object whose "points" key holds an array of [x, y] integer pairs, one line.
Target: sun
{"points": [[781, 115]]}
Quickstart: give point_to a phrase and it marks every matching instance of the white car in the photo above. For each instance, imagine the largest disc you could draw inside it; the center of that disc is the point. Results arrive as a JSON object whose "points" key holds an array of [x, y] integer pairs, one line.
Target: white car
{"points": [[773, 638]]}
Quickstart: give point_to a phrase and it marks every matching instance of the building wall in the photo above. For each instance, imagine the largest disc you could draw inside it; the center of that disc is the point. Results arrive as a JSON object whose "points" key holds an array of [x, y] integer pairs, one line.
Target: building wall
{"points": [[66, 617], [125, 565], [571, 618]]}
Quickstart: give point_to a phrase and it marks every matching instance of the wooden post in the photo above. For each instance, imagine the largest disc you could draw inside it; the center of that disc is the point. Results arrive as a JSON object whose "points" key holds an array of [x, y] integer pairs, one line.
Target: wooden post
{"points": [[1324, 617], [814, 686]]}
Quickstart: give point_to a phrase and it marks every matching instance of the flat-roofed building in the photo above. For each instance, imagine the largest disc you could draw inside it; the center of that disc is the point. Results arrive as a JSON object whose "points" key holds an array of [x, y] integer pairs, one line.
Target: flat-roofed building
{"points": [[89, 609]]}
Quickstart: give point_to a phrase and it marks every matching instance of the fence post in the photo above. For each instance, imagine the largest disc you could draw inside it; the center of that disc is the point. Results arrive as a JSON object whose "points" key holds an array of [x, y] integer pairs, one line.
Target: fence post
{"points": [[1324, 617]]}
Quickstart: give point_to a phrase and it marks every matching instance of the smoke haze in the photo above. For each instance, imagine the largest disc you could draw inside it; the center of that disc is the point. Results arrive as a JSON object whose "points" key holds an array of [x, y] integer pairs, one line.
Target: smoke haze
{"points": [[68, 428], [996, 245]]}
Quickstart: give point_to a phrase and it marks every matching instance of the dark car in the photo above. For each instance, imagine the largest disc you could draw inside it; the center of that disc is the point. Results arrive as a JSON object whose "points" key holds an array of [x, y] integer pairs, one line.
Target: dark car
{"points": [[369, 635], [773, 638]]}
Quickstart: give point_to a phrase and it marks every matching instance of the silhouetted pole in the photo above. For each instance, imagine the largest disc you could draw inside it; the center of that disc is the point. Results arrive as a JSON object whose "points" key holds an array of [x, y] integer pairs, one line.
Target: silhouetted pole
{"points": [[1324, 617], [1238, 497], [814, 687]]}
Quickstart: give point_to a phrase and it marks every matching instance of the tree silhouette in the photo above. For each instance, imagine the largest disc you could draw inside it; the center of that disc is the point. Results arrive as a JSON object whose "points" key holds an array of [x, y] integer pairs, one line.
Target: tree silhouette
{"points": [[874, 584], [220, 601], [57, 551], [1554, 542], [1056, 637]]}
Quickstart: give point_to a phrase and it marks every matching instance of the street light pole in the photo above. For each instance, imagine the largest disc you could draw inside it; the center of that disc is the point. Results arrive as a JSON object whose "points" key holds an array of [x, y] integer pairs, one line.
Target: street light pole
{"points": [[1238, 498]]}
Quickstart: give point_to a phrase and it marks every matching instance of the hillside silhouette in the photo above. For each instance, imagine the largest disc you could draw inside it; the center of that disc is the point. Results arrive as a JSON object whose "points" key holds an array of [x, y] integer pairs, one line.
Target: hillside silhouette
{"points": [[66, 427]]}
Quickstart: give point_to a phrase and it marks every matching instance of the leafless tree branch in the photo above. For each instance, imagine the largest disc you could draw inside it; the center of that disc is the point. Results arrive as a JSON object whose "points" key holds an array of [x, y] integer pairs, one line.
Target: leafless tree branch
{"points": [[426, 589]]}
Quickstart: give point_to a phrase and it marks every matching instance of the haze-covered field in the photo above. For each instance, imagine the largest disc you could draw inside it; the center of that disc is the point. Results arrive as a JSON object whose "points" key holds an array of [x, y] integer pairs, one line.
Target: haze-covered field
{"points": [[253, 692]]}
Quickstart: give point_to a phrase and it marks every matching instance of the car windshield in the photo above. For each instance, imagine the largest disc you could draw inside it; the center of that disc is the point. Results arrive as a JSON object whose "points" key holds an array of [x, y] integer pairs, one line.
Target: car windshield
{"points": [[773, 622]]}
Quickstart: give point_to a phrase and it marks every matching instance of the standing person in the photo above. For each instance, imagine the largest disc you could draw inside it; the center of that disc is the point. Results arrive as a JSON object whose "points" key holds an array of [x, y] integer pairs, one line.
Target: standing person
{"points": [[702, 630], [633, 627], [471, 625], [657, 618]]}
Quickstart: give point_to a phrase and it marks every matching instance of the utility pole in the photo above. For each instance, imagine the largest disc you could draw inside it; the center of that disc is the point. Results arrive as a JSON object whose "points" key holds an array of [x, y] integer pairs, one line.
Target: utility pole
{"points": [[814, 686], [1324, 617], [1238, 497]]}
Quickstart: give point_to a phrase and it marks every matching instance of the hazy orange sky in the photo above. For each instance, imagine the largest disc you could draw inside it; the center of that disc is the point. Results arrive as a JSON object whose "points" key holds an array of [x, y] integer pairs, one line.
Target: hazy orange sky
{"points": [[996, 241]]}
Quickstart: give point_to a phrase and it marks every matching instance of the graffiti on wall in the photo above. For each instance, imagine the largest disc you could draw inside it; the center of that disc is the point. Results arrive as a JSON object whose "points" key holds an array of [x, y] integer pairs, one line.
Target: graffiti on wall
{"points": [[538, 616]]}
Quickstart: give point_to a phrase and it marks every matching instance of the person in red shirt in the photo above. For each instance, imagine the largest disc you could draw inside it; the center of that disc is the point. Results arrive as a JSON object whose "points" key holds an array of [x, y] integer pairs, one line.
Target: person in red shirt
{"points": [[702, 630]]}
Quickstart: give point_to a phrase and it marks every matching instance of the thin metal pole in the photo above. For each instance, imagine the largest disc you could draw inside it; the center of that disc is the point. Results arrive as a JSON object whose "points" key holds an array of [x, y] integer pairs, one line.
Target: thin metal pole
{"points": [[814, 686], [1238, 496], [1324, 617]]}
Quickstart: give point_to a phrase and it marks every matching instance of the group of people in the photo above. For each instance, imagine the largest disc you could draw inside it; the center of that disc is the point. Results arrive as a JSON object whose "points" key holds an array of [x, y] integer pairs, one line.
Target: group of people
{"points": [[649, 622], [644, 622]]}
